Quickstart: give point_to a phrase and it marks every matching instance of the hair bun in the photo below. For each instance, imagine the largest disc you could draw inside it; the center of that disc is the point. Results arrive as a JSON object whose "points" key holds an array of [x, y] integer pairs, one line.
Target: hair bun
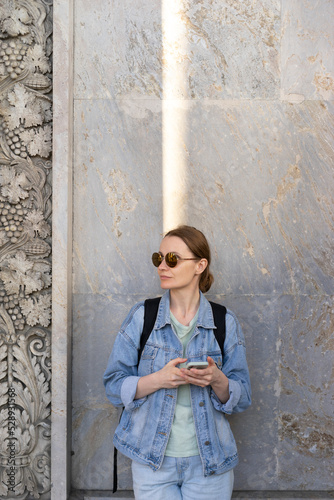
{"points": [[206, 281]]}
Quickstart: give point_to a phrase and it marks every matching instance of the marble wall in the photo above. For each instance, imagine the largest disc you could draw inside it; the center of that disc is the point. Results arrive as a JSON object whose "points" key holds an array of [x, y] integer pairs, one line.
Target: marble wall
{"points": [[220, 115]]}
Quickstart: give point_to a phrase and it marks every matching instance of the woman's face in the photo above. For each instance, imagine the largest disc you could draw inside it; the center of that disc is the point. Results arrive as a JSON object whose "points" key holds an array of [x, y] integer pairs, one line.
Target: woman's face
{"points": [[186, 273]]}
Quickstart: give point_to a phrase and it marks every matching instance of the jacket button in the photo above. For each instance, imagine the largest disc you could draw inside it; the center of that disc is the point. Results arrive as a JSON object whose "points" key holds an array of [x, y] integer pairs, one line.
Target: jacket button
{"points": [[202, 403], [207, 443], [212, 472]]}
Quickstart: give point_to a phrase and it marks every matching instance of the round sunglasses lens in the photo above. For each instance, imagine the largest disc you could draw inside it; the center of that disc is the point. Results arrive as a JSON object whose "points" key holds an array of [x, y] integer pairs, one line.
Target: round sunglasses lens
{"points": [[156, 259], [171, 259]]}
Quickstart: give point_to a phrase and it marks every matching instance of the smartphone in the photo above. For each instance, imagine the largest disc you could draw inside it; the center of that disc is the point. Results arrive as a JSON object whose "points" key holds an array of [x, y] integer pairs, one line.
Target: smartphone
{"points": [[197, 364]]}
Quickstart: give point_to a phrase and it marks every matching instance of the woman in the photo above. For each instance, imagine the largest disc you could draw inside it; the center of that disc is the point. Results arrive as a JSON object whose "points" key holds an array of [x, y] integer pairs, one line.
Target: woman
{"points": [[173, 426]]}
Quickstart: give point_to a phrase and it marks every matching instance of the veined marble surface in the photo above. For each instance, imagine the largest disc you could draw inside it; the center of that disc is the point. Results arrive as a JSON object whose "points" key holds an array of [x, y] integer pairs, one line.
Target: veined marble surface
{"points": [[307, 50], [249, 87], [228, 50], [263, 168]]}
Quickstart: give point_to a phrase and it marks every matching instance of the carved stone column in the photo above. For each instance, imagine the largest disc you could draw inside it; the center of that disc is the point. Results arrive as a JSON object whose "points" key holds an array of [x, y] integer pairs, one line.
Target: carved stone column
{"points": [[25, 247]]}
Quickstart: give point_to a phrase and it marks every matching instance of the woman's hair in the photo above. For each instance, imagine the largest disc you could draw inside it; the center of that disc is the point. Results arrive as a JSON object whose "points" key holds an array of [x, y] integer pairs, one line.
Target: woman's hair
{"points": [[199, 246]]}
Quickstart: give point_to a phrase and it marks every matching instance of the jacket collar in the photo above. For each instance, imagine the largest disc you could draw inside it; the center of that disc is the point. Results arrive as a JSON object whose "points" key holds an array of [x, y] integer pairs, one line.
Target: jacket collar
{"points": [[205, 316]]}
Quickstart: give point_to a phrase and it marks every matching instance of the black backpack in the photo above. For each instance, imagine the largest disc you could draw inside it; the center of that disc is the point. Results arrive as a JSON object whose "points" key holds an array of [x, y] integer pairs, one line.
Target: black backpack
{"points": [[151, 307]]}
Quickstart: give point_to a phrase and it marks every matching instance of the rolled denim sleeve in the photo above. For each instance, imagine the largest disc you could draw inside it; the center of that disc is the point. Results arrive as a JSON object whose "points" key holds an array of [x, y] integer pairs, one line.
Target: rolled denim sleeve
{"points": [[128, 392], [232, 402], [235, 368]]}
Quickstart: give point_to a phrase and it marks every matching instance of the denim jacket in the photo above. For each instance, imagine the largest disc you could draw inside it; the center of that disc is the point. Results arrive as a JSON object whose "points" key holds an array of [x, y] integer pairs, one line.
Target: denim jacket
{"points": [[145, 425]]}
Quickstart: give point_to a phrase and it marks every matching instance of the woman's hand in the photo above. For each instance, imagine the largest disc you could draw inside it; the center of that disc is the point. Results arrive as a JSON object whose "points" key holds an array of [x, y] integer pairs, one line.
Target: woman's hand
{"points": [[209, 376], [169, 377]]}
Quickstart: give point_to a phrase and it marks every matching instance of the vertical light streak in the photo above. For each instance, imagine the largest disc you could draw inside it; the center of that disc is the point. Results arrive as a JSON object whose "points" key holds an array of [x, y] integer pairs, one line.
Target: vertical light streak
{"points": [[174, 115]]}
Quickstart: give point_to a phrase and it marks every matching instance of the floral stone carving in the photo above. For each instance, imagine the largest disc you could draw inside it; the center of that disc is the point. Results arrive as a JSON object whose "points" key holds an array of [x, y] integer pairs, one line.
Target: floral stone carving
{"points": [[25, 264]]}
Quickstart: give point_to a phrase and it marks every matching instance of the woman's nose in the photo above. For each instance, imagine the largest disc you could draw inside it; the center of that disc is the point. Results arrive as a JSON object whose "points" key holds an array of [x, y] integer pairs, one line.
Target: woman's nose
{"points": [[163, 264]]}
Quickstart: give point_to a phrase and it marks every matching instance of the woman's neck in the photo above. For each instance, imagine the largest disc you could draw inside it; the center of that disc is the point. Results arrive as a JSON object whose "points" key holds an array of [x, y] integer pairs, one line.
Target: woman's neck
{"points": [[183, 305]]}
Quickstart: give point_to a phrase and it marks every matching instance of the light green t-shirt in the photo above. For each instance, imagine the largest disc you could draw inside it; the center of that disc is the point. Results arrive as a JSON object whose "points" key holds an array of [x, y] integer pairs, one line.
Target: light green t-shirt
{"points": [[182, 440]]}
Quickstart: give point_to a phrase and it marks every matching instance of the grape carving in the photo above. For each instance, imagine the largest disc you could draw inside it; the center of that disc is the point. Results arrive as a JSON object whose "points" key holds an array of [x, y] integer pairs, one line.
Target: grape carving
{"points": [[11, 55], [11, 218]]}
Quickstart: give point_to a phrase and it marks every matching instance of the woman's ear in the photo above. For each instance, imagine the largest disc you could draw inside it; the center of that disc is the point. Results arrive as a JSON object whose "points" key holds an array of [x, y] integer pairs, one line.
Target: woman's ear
{"points": [[201, 266]]}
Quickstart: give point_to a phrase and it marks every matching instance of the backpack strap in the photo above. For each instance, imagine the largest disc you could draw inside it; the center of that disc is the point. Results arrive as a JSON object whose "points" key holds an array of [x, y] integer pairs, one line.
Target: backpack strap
{"points": [[219, 317], [115, 482], [151, 307]]}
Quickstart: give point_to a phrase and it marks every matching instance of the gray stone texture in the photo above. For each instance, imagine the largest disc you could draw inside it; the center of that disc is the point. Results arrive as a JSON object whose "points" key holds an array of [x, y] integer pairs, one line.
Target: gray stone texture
{"points": [[256, 97]]}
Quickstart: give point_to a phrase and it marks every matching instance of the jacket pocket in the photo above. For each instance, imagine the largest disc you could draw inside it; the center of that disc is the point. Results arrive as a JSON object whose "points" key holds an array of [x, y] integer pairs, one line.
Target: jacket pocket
{"points": [[218, 359], [226, 439], [133, 427], [147, 360]]}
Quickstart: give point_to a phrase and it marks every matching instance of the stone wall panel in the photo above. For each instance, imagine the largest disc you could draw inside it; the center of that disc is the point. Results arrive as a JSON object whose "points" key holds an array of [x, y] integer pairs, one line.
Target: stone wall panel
{"points": [[307, 50], [221, 51], [305, 406], [269, 188], [117, 181]]}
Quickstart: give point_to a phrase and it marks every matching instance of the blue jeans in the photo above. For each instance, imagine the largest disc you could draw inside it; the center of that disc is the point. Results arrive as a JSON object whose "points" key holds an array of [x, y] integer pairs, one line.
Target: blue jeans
{"points": [[180, 478]]}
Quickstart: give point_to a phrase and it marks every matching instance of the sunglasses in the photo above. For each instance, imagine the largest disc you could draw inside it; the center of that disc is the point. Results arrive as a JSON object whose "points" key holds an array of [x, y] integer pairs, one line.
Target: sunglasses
{"points": [[170, 258]]}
